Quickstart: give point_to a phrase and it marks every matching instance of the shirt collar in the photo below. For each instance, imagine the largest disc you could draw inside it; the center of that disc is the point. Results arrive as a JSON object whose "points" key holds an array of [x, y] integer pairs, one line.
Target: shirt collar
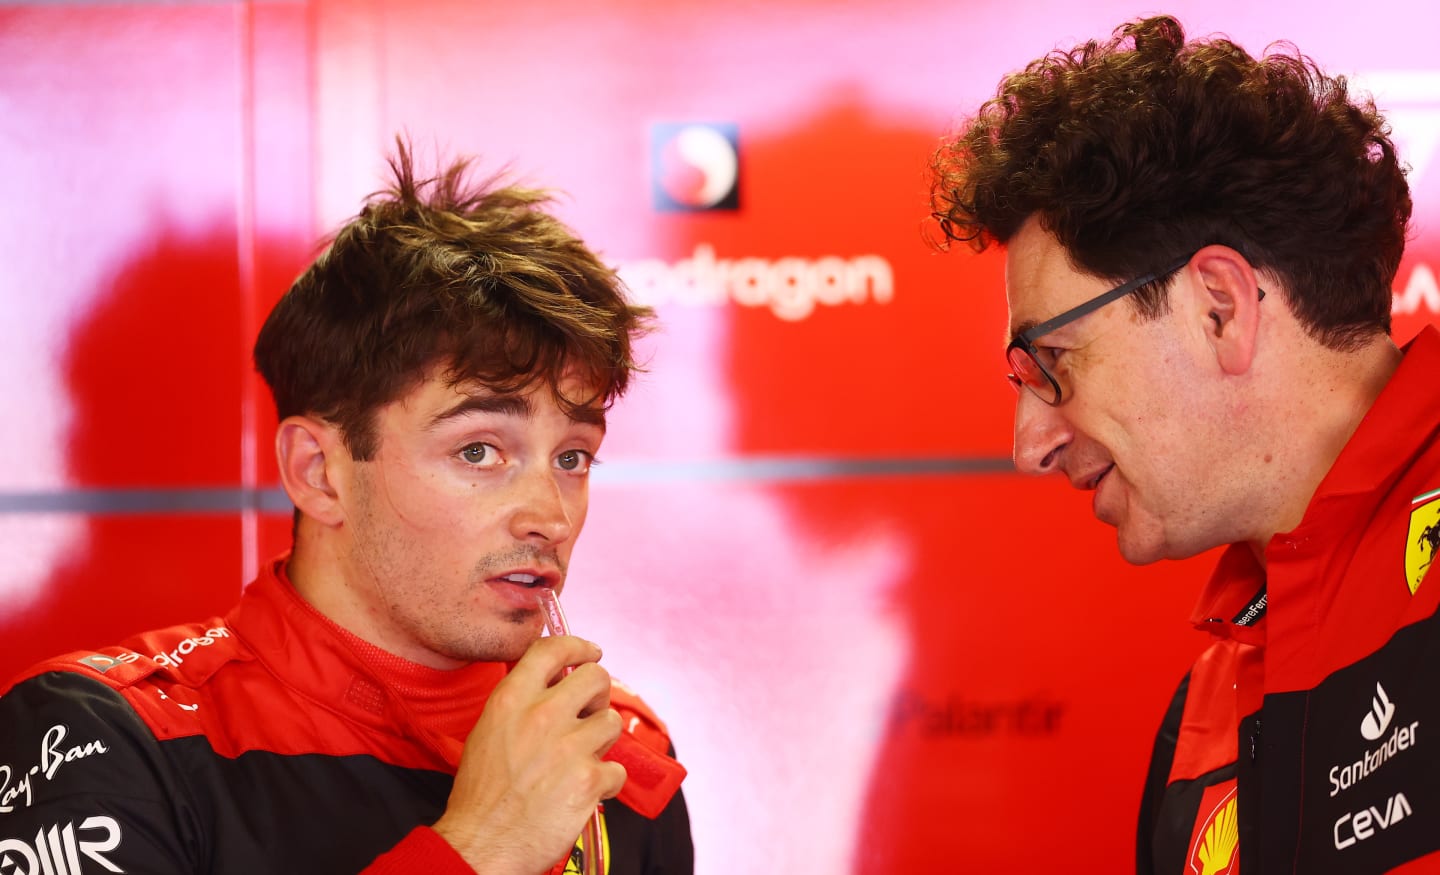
{"points": [[1390, 433]]}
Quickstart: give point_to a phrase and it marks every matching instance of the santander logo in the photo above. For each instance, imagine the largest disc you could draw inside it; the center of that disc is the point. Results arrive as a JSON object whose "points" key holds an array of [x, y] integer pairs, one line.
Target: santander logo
{"points": [[1378, 720]]}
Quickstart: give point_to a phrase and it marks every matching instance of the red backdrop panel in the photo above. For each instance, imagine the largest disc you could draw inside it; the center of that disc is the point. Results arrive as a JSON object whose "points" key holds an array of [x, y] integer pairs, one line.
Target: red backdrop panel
{"points": [[859, 685]]}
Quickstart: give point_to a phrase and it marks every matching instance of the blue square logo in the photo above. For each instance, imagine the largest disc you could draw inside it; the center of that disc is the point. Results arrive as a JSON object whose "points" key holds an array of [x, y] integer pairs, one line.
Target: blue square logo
{"points": [[695, 166]]}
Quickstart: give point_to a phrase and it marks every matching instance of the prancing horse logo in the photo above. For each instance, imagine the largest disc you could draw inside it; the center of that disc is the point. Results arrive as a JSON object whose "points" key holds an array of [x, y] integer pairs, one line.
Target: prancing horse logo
{"points": [[1430, 538], [1424, 538]]}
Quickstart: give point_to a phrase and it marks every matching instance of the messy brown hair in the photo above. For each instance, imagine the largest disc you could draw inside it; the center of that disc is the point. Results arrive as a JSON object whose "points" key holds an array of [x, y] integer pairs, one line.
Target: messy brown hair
{"points": [[1138, 151], [477, 279]]}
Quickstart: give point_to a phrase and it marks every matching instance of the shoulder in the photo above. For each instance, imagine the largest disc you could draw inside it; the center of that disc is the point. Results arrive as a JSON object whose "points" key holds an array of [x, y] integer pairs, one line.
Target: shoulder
{"points": [[157, 675], [187, 653], [59, 725], [78, 764], [47, 694]]}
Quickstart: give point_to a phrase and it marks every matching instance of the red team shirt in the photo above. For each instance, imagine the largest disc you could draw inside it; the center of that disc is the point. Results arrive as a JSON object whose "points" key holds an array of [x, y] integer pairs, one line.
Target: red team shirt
{"points": [[272, 740], [1307, 737]]}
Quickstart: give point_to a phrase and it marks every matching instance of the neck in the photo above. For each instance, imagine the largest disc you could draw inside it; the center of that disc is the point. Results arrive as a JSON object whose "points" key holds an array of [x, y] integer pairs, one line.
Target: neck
{"points": [[311, 570], [321, 571], [1328, 393]]}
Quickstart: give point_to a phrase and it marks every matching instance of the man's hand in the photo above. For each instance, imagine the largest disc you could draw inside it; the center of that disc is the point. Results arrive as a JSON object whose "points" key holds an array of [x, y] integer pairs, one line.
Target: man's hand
{"points": [[531, 772]]}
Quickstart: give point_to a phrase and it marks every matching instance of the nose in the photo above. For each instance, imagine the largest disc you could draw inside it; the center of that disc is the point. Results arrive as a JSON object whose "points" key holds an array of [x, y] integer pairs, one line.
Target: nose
{"points": [[1041, 434], [542, 510]]}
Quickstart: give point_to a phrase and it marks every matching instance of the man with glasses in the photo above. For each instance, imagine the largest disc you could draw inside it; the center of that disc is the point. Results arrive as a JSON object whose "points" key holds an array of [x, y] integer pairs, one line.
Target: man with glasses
{"points": [[1200, 247]]}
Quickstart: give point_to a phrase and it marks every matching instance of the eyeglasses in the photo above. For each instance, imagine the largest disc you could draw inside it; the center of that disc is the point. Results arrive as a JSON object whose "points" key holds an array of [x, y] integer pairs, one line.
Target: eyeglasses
{"points": [[1027, 370]]}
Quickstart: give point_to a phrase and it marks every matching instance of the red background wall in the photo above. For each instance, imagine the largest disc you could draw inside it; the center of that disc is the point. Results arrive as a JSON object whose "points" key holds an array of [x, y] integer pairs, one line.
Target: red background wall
{"points": [[877, 648]]}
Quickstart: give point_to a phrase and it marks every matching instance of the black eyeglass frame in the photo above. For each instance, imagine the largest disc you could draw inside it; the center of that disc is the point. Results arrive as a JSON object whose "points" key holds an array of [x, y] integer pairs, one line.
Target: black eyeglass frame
{"points": [[1025, 340]]}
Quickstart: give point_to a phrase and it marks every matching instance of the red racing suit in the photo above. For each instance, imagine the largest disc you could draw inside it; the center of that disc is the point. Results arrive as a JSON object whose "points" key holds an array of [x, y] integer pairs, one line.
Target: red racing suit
{"points": [[1307, 737], [272, 740]]}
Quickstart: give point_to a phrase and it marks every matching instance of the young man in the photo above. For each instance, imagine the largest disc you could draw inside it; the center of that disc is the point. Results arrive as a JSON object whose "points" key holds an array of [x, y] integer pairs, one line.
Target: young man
{"points": [[1200, 248], [380, 700]]}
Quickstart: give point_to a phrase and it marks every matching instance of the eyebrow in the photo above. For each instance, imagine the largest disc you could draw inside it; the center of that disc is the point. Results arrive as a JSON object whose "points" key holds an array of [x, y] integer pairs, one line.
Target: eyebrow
{"points": [[507, 405], [512, 405], [1021, 329]]}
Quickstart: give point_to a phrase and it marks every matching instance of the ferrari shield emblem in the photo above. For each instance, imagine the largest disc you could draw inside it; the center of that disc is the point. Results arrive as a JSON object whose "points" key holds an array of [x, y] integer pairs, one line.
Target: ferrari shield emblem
{"points": [[1424, 540], [575, 864]]}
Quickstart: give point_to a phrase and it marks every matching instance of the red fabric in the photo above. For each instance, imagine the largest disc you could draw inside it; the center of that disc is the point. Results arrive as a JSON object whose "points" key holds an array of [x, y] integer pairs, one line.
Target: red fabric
{"points": [[421, 851], [373, 702], [1318, 624], [275, 632], [1207, 739], [652, 777], [1336, 585]]}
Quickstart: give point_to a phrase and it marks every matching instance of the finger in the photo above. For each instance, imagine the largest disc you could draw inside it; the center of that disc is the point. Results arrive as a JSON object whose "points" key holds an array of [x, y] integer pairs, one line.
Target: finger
{"points": [[547, 658], [597, 682], [599, 732], [601, 780], [612, 779], [583, 692]]}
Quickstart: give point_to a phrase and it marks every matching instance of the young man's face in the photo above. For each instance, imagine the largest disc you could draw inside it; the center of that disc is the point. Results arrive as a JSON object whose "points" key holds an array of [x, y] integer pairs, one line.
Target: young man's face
{"points": [[471, 500], [1135, 423]]}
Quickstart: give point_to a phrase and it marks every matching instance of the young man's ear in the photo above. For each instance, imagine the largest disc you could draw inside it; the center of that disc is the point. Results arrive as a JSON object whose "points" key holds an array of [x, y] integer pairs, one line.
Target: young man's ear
{"points": [[1225, 299], [311, 453]]}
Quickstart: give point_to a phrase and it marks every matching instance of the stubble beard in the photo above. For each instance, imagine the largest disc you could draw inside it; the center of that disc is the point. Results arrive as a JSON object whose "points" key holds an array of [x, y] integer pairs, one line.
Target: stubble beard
{"points": [[502, 638]]}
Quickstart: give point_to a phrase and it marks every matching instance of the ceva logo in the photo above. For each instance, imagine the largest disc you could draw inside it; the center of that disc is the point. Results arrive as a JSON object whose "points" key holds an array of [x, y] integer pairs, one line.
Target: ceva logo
{"points": [[1378, 720], [695, 167], [1360, 825]]}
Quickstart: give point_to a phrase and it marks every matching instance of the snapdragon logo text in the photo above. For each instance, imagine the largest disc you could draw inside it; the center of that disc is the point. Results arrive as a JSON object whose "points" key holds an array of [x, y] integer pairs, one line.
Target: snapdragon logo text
{"points": [[176, 656], [791, 287]]}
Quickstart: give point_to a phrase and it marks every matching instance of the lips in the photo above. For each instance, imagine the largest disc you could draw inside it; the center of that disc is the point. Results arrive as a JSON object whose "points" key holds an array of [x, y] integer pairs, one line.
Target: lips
{"points": [[518, 588], [530, 579], [1092, 480], [1105, 513]]}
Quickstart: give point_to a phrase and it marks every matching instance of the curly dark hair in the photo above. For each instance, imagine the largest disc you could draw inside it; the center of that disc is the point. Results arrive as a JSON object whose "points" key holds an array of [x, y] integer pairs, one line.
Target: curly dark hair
{"points": [[1138, 151], [477, 279]]}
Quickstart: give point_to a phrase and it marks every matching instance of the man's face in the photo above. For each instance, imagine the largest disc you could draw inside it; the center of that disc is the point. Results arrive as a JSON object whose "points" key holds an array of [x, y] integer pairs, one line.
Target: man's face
{"points": [[1137, 421], [471, 500]]}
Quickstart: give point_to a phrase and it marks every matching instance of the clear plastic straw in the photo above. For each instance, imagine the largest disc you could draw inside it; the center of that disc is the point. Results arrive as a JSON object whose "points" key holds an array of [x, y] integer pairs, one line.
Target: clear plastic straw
{"points": [[593, 838]]}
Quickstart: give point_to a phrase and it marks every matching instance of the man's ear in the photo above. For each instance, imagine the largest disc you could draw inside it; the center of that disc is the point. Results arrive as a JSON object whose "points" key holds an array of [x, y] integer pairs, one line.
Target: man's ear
{"points": [[311, 454], [1225, 299]]}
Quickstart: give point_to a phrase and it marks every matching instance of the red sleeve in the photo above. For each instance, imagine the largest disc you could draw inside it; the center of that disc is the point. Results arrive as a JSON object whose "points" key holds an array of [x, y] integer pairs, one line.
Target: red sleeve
{"points": [[652, 776], [421, 851]]}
